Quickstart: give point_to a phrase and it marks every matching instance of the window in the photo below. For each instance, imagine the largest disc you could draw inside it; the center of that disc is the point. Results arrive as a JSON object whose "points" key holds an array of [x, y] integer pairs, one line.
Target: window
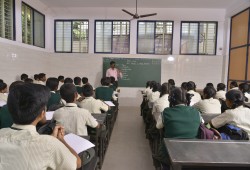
{"points": [[71, 36], [155, 37], [7, 19], [112, 37], [198, 38], [33, 26]]}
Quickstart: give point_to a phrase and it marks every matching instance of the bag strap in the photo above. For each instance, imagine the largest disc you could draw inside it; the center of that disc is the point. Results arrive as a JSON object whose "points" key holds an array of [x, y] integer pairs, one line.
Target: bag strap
{"points": [[15, 128]]}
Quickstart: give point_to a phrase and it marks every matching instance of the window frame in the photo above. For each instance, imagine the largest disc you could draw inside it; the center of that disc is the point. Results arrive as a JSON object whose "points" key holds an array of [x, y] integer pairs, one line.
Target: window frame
{"points": [[198, 22], [117, 20], [154, 21], [69, 20], [33, 25], [14, 21]]}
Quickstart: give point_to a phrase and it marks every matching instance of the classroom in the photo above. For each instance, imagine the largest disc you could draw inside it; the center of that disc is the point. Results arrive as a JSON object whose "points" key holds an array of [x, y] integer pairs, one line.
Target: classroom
{"points": [[203, 41]]}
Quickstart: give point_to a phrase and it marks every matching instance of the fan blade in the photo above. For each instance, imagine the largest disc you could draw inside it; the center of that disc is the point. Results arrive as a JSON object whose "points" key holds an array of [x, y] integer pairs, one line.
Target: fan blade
{"points": [[147, 15], [128, 12]]}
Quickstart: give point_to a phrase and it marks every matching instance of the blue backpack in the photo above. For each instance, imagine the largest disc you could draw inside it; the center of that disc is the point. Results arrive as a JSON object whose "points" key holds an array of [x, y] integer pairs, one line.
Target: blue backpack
{"points": [[231, 132]]}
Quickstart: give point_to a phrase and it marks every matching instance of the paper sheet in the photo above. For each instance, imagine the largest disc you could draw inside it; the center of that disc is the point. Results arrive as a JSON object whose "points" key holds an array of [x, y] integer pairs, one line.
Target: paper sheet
{"points": [[49, 115], [78, 143], [2, 103], [109, 103]]}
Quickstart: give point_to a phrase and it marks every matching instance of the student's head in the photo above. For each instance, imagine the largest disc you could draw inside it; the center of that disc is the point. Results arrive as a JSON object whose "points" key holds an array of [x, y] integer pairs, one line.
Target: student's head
{"points": [[14, 84], [152, 83], [233, 84], [112, 79], [209, 92], [184, 85], [234, 99], [68, 80], [221, 86], [24, 76], [191, 86], [3, 88], [52, 83], [164, 89], [77, 81], [87, 90], [85, 80], [177, 96], [210, 85], [112, 64], [244, 87], [105, 81], [27, 103], [68, 92], [42, 77], [1, 81], [148, 84], [156, 87], [36, 77], [61, 78], [171, 82], [28, 80]]}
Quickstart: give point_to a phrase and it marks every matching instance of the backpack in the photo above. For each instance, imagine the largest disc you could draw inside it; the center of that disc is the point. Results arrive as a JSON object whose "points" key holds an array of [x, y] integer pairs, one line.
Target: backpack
{"points": [[206, 133], [232, 132]]}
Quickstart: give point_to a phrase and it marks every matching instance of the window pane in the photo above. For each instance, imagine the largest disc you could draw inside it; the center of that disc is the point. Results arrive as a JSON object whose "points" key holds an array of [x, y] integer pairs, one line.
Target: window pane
{"points": [[189, 38], [27, 24], [207, 39], [38, 29], [103, 41], [163, 38], [145, 41], [120, 37], [80, 37], [6, 19], [63, 36]]}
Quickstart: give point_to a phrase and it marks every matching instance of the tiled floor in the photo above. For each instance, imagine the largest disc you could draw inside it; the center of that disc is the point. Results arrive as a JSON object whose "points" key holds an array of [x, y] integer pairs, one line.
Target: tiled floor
{"points": [[128, 148]]}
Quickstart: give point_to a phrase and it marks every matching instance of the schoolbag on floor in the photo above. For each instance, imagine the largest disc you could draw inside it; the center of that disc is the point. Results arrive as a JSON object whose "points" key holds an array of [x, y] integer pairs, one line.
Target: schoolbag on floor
{"points": [[208, 133], [232, 132]]}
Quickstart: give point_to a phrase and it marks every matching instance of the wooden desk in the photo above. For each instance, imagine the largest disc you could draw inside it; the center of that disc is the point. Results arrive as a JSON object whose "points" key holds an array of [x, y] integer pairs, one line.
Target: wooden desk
{"points": [[205, 154], [208, 117]]}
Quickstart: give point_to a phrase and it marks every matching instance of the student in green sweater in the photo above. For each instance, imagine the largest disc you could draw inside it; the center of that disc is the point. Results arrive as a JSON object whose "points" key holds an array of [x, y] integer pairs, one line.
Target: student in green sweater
{"points": [[55, 98], [77, 82], [104, 92]]}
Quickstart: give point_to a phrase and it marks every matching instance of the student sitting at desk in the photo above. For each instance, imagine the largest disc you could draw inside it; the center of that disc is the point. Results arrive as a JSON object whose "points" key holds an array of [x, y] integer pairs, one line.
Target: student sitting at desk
{"points": [[221, 93], [208, 104], [162, 103], [156, 88], [24, 76], [85, 81], [68, 80], [28, 80], [77, 82], [3, 92], [55, 98], [73, 118], [61, 81], [90, 103], [237, 114], [191, 89], [148, 89], [42, 79], [36, 79], [21, 147], [113, 84], [234, 85], [104, 92], [244, 88]]}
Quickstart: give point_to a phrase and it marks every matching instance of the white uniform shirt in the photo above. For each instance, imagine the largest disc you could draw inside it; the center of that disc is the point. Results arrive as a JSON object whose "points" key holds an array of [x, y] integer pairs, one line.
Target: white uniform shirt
{"points": [[26, 149], [75, 119], [239, 116], [152, 98], [196, 98], [220, 95], [247, 95], [40, 82], [93, 105], [211, 105], [148, 92], [160, 104], [113, 73], [3, 97]]}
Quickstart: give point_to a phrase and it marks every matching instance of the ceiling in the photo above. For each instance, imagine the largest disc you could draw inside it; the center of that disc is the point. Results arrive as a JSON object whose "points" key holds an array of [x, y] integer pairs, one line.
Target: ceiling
{"points": [[143, 3]]}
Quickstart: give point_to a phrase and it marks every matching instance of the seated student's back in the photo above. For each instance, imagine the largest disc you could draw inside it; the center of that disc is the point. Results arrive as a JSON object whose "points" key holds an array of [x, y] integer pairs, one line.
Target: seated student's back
{"points": [[191, 89], [55, 98], [221, 93], [104, 92], [77, 82]]}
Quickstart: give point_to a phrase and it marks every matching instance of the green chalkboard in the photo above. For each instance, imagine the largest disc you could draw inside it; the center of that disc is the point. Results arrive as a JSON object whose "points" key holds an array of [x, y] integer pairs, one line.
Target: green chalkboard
{"points": [[136, 71]]}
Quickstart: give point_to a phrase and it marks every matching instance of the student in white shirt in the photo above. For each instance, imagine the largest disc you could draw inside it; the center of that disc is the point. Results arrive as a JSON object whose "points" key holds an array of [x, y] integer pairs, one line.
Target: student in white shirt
{"points": [[24, 76], [145, 91], [244, 88], [234, 85], [208, 104], [156, 88], [61, 81], [21, 147], [42, 79], [191, 89], [90, 103], [3, 92], [36, 79], [237, 114], [221, 93]]}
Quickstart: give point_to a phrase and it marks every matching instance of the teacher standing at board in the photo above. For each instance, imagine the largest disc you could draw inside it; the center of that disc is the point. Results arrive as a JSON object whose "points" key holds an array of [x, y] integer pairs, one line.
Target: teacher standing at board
{"points": [[114, 72]]}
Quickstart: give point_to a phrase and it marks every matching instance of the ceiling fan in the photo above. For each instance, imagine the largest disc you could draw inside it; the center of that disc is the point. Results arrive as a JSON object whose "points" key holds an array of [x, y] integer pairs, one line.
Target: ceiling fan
{"points": [[136, 16]]}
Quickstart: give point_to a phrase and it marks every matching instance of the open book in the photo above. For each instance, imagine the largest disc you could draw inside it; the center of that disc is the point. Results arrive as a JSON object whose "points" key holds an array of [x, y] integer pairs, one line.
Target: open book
{"points": [[109, 103]]}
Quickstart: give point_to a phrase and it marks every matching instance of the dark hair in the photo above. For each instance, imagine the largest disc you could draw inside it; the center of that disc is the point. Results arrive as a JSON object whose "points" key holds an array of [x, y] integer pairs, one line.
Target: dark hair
{"points": [[87, 90], [210, 85], [236, 97], [177, 96], [85, 80], [112, 62], [191, 86], [171, 82], [68, 80], [112, 79], [234, 84], [14, 84], [26, 102], [105, 81], [244, 87], [156, 87], [60, 78], [1, 81], [184, 85], [77, 80], [209, 92], [28, 80], [221, 86], [52, 83], [41, 75], [152, 83], [24, 76], [36, 76], [148, 84], [68, 91], [164, 89], [3, 86]]}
